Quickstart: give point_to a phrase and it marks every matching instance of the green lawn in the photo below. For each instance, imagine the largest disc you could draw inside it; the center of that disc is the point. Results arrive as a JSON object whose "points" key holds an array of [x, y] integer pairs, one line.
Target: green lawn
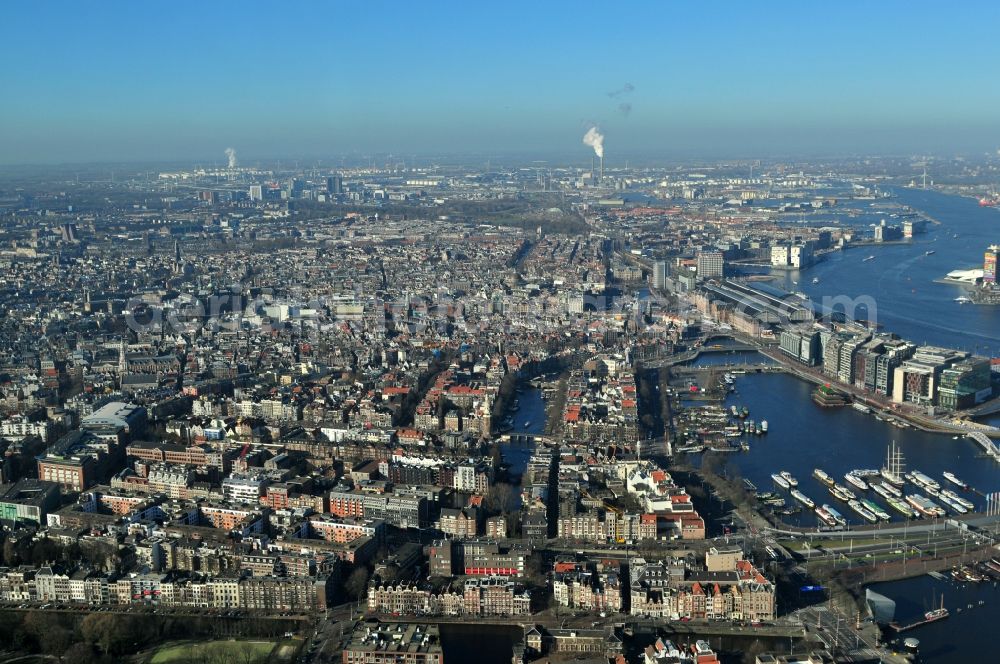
{"points": [[224, 652]]}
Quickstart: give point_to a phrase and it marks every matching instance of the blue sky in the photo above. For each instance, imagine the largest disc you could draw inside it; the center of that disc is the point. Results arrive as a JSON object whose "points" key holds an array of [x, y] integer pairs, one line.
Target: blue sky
{"points": [[145, 81]]}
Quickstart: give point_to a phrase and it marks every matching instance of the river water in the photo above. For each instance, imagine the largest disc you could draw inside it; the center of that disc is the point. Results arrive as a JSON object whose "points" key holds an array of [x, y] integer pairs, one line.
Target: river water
{"points": [[901, 278], [803, 436], [901, 281]]}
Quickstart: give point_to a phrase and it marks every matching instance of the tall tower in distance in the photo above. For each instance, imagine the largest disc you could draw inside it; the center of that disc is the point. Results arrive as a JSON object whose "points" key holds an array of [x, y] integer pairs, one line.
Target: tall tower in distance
{"points": [[178, 261]]}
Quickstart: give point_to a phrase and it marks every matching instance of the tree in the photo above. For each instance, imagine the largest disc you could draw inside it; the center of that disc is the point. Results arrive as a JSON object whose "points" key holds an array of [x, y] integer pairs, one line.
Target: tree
{"points": [[500, 498], [80, 653], [104, 630], [356, 585]]}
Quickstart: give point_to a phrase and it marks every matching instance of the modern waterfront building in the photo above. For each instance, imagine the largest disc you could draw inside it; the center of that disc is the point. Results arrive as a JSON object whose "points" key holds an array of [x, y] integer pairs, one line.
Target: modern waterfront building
{"points": [[711, 264]]}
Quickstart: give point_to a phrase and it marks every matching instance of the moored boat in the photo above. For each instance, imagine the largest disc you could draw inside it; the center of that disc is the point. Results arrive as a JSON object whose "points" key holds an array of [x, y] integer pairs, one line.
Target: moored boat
{"points": [[837, 516], [823, 476], [901, 507], [841, 493], [924, 481], [863, 511], [803, 498], [824, 515], [924, 505], [789, 478], [950, 476], [780, 481], [856, 481], [875, 509]]}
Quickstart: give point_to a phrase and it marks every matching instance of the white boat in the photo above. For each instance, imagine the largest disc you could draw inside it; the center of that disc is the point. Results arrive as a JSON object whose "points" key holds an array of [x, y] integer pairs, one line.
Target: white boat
{"points": [[892, 472], [922, 480], [781, 481], [955, 505], [841, 493], [961, 299], [856, 481], [950, 476], [763, 426], [803, 498], [955, 498], [870, 258], [885, 489], [815, 280], [789, 478]]}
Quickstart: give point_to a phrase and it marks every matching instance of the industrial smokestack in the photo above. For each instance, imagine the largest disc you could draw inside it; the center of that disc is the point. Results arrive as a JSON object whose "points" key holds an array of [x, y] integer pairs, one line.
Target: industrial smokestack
{"points": [[594, 139]]}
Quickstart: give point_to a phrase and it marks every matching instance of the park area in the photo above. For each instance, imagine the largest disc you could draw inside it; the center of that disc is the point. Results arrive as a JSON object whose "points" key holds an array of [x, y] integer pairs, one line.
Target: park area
{"points": [[225, 652]]}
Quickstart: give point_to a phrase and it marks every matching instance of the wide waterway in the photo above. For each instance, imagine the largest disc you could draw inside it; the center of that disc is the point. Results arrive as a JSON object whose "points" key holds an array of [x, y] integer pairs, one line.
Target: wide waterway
{"points": [[901, 277], [803, 436]]}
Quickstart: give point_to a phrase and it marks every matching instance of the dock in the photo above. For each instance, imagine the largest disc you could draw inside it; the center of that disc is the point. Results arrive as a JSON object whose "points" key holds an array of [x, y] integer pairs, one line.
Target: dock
{"points": [[913, 625]]}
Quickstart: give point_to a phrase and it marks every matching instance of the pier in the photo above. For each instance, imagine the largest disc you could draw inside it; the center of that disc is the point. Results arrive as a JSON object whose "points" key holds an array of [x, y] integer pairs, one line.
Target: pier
{"points": [[926, 621]]}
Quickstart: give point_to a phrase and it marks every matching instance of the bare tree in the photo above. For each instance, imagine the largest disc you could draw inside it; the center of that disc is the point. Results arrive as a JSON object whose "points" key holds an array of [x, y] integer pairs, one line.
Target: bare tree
{"points": [[356, 585]]}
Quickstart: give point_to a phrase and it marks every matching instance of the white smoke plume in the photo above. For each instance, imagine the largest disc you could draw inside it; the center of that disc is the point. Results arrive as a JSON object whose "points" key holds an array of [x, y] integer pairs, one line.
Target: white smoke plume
{"points": [[623, 90], [595, 139], [231, 156]]}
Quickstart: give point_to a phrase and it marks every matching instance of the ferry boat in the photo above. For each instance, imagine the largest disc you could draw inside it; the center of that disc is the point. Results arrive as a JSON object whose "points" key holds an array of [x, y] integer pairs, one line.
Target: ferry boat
{"points": [[788, 478], [922, 480], [781, 481], [904, 509], [950, 476], [863, 511], [960, 509], [924, 505], [892, 472], [937, 614], [837, 516], [824, 515], [887, 490], [841, 493], [856, 481], [803, 498], [822, 476], [875, 509], [957, 498]]}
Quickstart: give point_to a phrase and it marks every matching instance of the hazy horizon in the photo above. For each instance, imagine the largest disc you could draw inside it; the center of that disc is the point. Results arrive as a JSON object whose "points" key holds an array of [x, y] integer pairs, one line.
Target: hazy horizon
{"points": [[133, 82]]}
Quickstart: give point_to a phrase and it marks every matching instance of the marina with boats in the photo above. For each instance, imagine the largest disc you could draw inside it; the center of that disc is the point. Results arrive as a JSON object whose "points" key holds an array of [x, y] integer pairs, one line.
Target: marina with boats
{"points": [[911, 505]]}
